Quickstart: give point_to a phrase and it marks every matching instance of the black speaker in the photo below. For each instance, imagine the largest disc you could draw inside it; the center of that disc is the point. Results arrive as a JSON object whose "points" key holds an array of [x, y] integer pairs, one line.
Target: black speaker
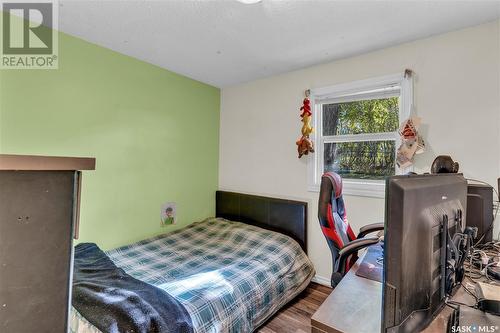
{"points": [[480, 210]]}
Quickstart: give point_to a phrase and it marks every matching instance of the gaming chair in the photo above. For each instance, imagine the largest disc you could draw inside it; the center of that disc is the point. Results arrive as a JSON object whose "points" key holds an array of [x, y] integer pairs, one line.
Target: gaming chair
{"points": [[343, 243]]}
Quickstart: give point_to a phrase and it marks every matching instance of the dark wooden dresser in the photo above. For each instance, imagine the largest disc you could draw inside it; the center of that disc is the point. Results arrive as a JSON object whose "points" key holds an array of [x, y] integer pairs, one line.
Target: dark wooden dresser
{"points": [[39, 208]]}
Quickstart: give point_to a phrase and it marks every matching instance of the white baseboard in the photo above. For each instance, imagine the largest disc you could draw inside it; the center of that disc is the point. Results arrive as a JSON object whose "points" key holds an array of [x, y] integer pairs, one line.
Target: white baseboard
{"points": [[322, 280]]}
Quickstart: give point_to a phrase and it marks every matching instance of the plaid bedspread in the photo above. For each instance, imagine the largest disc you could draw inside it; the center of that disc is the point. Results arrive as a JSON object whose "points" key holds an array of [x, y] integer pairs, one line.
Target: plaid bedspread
{"points": [[230, 276]]}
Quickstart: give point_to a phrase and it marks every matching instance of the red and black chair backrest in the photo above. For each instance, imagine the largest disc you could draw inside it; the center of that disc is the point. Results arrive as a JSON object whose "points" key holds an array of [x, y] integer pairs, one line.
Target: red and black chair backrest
{"points": [[333, 216]]}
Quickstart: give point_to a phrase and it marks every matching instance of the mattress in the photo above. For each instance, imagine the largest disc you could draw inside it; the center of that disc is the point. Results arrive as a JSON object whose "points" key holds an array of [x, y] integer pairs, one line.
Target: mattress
{"points": [[230, 276]]}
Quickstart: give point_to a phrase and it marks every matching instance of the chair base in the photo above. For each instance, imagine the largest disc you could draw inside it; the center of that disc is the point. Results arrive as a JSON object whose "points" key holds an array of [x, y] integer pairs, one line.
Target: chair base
{"points": [[335, 279]]}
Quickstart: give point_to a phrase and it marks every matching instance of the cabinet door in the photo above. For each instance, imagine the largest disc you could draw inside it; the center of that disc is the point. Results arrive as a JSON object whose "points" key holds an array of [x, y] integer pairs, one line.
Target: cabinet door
{"points": [[36, 218]]}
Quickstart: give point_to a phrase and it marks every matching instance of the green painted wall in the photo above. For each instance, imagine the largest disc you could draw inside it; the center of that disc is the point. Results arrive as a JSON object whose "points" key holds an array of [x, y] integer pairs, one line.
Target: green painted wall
{"points": [[154, 135]]}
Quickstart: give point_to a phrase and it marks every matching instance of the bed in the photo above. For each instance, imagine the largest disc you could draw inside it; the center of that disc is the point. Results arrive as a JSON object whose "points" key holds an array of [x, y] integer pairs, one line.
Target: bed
{"points": [[231, 272]]}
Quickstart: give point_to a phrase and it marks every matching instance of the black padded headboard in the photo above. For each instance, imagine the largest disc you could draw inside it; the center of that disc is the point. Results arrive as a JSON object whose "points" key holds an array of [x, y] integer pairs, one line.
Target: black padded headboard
{"points": [[285, 216]]}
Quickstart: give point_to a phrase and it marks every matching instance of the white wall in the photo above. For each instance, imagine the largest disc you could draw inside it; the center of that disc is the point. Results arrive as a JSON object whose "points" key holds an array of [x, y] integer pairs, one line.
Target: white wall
{"points": [[457, 93]]}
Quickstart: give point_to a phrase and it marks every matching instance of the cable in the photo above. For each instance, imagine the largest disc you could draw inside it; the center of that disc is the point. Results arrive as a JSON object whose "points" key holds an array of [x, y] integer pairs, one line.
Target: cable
{"points": [[450, 302], [479, 259], [469, 292]]}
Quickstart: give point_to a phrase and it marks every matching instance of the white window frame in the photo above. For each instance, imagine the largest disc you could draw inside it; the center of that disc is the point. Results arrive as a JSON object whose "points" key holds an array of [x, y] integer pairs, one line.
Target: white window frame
{"points": [[358, 90]]}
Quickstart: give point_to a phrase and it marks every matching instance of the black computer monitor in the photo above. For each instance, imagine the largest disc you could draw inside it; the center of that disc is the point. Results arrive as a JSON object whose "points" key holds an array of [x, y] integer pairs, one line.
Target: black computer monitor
{"points": [[417, 272]]}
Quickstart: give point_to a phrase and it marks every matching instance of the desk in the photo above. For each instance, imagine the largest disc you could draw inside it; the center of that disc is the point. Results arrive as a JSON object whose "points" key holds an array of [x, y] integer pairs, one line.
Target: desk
{"points": [[355, 306]]}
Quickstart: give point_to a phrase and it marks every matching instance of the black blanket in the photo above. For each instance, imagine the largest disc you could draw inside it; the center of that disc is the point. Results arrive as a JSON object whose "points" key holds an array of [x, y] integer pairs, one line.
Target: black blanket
{"points": [[115, 302]]}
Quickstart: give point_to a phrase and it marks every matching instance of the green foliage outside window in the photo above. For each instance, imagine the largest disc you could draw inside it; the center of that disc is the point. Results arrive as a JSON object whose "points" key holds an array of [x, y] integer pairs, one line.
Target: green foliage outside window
{"points": [[361, 159]]}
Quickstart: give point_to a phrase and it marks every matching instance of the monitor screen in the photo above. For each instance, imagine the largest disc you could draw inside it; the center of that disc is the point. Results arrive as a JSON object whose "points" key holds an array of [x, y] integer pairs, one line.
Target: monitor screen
{"points": [[418, 209]]}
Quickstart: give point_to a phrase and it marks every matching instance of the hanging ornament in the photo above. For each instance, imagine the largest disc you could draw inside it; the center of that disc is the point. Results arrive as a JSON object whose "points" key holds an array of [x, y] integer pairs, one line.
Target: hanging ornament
{"points": [[411, 142], [304, 143]]}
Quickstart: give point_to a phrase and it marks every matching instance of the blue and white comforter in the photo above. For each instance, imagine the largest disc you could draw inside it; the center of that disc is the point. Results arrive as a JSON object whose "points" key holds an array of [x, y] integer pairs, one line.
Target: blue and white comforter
{"points": [[230, 276]]}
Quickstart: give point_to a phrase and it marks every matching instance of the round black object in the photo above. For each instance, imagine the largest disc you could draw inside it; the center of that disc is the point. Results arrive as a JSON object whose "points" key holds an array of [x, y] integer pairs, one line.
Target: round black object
{"points": [[494, 271], [444, 164]]}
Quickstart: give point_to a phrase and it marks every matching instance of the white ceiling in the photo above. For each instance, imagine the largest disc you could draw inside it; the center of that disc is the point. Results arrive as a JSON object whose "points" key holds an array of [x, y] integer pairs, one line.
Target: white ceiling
{"points": [[226, 42]]}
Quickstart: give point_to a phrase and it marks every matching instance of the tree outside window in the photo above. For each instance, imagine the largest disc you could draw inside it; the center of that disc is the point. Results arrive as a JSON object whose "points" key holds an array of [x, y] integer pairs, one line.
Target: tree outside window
{"points": [[372, 158]]}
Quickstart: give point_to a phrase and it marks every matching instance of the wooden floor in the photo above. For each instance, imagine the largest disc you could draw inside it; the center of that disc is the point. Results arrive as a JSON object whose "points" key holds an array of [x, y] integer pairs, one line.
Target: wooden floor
{"points": [[296, 316]]}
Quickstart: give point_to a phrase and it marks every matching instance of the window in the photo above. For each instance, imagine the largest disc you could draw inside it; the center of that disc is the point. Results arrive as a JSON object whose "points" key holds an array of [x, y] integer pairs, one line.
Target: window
{"points": [[356, 132]]}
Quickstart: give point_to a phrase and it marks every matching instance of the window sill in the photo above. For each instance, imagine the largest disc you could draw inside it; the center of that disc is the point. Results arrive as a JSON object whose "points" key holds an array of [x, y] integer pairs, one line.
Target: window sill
{"points": [[367, 188]]}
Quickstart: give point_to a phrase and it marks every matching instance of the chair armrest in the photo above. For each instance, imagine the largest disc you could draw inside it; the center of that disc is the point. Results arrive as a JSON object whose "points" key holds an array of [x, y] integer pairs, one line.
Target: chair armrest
{"points": [[351, 248], [369, 228]]}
